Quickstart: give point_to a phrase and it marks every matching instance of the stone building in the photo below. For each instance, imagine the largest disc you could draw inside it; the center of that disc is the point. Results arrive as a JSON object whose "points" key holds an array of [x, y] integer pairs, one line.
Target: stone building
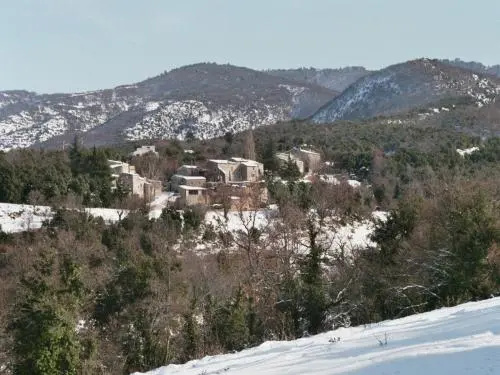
{"points": [[140, 186], [194, 181], [311, 159], [125, 175], [192, 196], [235, 170]]}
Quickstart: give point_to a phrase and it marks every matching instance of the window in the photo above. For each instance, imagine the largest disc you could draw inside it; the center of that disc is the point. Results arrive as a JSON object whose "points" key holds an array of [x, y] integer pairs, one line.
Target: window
{"points": [[192, 192]]}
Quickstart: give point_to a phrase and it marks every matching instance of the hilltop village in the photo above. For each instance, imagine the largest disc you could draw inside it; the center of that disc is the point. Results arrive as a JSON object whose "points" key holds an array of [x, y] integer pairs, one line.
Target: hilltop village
{"points": [[235, 182]]}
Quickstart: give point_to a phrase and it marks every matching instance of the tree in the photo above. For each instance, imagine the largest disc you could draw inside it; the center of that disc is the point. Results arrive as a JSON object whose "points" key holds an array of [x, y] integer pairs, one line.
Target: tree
{"points": [[290, 171], [249, 146], [314, 298], [190, 136], [463, 229], [269, 157], [9, 182], [229, 138], [44, 325]]}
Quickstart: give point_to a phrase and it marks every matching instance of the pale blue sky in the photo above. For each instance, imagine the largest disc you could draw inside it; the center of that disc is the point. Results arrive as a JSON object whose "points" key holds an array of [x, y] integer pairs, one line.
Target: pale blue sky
{"points": [[74, 45]]}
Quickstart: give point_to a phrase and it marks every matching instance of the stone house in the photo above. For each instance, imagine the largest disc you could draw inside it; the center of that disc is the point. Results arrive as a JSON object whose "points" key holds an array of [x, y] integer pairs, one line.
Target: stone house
{"points": [[311, 159], [235, 170], [140, 186], [125, 175], [194, 181], [192, 196], [118, 167]]}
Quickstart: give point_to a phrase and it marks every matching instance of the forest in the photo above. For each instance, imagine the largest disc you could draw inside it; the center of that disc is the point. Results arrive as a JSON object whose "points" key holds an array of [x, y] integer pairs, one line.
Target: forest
{"points": [[79, 296]]}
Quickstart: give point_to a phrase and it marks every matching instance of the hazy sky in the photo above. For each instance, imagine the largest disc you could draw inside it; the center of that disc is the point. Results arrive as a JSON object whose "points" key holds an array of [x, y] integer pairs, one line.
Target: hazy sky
{"points": [[75, 45]]}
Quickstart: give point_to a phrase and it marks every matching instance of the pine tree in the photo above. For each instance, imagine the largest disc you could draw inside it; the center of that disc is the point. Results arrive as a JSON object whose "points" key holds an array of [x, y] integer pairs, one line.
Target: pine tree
{"points": [[314, 299], [191, 334], [269, 157], [290, 171], [46, 341], [249, 146]]}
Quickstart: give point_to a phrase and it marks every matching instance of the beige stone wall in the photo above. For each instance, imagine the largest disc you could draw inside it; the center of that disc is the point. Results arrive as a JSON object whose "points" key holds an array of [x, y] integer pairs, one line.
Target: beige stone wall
{"points": [[141, 186], [235, 171], [177, 180], [253, 173], [193, 197], [314, 161], [311, 159]]}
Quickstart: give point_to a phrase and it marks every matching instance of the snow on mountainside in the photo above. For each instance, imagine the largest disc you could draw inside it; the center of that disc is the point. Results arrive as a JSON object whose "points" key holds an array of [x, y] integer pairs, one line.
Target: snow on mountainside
{"points": [[405, 86], [176, 119], [459, 340], [38, 118], [333, 79], [206, 99]]}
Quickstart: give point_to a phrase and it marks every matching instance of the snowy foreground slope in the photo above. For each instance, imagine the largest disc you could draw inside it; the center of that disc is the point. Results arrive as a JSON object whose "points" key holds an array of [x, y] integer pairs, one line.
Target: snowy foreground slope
{"points": [[460, 340]]}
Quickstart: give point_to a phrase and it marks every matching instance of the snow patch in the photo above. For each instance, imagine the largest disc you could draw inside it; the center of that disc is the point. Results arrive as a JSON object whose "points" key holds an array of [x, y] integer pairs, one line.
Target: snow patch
{"points": [[459, 340], [467, 151]]}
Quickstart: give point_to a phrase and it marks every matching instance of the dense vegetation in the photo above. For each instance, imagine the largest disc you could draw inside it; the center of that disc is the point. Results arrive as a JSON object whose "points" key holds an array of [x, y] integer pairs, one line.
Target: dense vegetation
{"points": [[36, 177], [82, 297]]}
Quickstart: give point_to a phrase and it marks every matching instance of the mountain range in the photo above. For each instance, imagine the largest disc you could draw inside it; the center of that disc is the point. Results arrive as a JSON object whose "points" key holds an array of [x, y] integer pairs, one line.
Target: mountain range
{"points": [[405, 86], [207, 100]]}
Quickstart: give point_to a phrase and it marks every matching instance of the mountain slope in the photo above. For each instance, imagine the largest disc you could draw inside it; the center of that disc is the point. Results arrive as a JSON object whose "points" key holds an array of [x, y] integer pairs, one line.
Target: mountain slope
{"points": [[333, 79], [401, 87], [203, 99], [475, 66], [460, 340]]}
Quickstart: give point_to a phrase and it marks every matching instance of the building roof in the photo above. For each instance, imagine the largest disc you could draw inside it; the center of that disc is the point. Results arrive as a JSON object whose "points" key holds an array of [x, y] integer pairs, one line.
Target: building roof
{"points": [[251, 163], [283, 155], [220, 161], [189, 166], [308, 151], [186, 187], [193, 178], [116, 162], [287, 156]]}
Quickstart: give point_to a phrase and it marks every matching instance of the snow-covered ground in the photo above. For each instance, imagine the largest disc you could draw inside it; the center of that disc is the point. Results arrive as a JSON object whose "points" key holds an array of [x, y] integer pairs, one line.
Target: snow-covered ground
{"points": [[460, 340], [19, 218], [22, 217], [351, 236], [160, 202]]}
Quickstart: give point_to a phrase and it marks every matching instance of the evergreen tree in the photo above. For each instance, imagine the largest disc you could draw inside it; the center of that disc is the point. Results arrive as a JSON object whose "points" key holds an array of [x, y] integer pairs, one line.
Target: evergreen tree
{"points": [[269, 157], [314, 302], [462, 232], [46, 341], [290, 171], [191, 334], [249, 146]]}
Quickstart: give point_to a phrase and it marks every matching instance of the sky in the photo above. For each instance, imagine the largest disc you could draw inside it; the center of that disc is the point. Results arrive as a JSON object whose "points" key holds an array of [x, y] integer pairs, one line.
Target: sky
{"points": [[78, 45]]}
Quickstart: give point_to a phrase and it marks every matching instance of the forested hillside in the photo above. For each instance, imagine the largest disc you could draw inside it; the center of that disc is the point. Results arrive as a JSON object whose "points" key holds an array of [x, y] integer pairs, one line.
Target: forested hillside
{"points": [[82, 297]]}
